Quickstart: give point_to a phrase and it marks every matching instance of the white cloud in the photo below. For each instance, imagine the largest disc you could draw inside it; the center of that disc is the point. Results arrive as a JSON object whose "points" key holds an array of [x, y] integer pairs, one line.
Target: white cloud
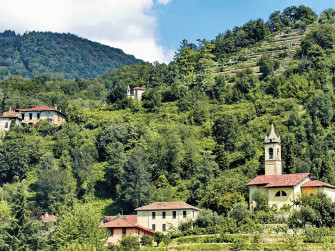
{"points": [[126, 24], [164, 1]]}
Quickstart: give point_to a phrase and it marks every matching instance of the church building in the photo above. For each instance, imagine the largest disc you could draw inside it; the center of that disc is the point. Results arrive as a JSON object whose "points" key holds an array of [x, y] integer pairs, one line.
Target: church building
{"points": [[283, 188]]}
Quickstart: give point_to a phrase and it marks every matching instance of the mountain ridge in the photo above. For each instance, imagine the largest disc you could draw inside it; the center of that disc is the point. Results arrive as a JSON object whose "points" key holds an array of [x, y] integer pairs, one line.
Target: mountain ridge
{"points": [[58, 54]]}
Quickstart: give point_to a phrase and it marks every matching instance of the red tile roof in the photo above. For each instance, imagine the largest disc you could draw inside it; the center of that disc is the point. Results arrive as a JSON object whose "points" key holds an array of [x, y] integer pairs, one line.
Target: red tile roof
{"points": [[48, 218], [285, 180], [167, 205], [10, 116], [39, 109], [131, 218], [316, 183], [119, 222], [139, 88], [122, 223]]}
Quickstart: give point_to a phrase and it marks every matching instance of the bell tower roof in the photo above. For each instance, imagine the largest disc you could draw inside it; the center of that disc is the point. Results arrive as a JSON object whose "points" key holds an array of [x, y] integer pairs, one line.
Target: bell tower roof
{"points": [[272, 138]]}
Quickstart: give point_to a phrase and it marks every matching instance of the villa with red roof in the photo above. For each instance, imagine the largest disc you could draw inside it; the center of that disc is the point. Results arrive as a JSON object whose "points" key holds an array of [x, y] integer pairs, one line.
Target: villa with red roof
{"points": [[157, 216], [135, 93], [124, 225], [31, 116], [283, 189]]}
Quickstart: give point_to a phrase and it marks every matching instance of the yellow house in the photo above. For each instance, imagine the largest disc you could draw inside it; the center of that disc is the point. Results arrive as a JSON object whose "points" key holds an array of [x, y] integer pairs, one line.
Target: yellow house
{"points": [[283, 188], [159, 215]]}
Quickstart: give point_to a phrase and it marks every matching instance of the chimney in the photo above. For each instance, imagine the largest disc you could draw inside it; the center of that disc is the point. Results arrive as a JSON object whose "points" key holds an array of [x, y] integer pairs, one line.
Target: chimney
{"points": [[46, 215]]}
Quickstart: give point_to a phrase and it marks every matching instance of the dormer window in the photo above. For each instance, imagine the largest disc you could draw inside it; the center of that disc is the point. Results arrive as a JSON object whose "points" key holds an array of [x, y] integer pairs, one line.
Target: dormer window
{"points": [[271, 153]]}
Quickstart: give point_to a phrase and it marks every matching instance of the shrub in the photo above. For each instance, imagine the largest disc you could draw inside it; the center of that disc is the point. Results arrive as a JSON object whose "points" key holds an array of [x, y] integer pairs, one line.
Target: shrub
{"points": [[261, 200], [207, 218], [240, 211], [300, 218], [158, 237], [146, 241], [129, 242], [317, 235]]}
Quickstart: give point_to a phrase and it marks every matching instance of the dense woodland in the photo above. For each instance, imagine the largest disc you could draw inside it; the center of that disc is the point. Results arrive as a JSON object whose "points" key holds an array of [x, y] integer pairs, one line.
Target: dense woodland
{"points": [[65, 55], [196, 136]]}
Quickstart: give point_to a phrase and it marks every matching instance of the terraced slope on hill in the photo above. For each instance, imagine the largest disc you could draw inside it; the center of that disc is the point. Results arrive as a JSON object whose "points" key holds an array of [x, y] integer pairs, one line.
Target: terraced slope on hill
{"points": [[282, 46]]}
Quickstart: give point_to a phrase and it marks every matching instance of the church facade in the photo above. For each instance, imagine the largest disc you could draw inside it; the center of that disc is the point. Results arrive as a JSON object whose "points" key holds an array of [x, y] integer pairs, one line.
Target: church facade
{"points": [[283, 189]]}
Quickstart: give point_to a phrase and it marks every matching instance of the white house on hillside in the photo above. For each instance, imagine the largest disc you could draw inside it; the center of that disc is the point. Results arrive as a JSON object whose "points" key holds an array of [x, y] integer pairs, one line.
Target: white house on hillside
{"points": [[135, 93]]}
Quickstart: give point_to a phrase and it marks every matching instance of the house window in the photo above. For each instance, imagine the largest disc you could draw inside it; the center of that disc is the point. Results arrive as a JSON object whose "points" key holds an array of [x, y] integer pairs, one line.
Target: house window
{"points": [[271, 153], [184, 214], [281, 193], [174, 214], [153, 227], [22, 116], [38, 115], [124, 231], [153, 215], [111, 231], [30, 116], [164, 215], [164, 227]]}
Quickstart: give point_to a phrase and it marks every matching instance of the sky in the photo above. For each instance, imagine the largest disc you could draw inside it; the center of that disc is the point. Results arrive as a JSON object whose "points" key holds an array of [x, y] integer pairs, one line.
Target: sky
{"points": [[148, 29]]}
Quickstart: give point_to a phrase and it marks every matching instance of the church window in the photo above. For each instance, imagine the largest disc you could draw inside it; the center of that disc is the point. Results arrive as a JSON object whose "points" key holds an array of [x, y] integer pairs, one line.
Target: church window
{"points": [[271, 153], [278, 194], [278, 153], [283, 193]]}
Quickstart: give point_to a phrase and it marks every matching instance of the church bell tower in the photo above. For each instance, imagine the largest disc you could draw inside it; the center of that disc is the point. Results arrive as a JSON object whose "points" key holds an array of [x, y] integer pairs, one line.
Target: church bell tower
{"points": [[273, 154]]}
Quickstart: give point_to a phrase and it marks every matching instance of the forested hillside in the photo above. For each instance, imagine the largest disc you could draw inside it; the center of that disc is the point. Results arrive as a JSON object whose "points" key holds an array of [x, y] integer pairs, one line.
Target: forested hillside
{"points": [[56, 54], [196, 136]]}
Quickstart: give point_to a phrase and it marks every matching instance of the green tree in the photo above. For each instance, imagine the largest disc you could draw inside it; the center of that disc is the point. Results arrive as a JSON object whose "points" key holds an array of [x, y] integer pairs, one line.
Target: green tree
{"points": [[327, 16], [261, 199], [129, 242], [322, 205], [55, 187], [267, 65], [80, 226], [146, 241], [152, 99], [207, 218], [206, 66], [275, 21], [225, 131], [240, 211], [19, 232], [135, 184]]}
